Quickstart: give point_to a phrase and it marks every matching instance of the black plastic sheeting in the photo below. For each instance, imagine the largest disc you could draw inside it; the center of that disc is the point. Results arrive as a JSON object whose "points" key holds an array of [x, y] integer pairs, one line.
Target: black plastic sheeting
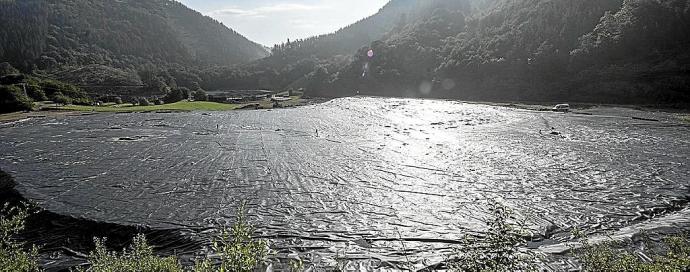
{"points": [[360, 178]]}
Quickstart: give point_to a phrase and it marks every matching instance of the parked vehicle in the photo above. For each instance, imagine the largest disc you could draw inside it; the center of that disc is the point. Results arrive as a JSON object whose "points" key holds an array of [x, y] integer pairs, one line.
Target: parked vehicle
{"points": [[562, 108]]}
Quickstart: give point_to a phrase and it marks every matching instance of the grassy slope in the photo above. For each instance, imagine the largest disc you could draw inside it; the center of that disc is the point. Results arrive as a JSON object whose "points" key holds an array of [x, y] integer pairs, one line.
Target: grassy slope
{"points": [[48, 108], [179, 106]]}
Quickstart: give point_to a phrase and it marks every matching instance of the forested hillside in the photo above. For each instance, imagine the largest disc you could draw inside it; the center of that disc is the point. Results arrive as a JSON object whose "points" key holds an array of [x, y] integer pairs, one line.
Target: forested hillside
{"points": [[615, 51], [292, 60], [609, 51], [612, 51], [63, 36], [493, 48]]}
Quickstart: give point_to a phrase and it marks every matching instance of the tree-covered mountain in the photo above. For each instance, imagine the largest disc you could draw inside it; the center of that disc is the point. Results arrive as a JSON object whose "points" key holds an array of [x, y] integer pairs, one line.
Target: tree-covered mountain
{"points": [[632, 51], [613, 51], [478, 48], [66, 35], [291, 61]]}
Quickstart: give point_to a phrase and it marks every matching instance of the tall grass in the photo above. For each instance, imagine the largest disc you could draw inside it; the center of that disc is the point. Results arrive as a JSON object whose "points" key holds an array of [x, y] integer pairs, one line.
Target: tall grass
{"points": [[14, 257]]}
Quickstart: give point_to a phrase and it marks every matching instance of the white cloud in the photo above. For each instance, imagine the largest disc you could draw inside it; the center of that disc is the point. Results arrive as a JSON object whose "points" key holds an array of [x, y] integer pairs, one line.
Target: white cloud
{"points": [[229, 12], [264, 10]]}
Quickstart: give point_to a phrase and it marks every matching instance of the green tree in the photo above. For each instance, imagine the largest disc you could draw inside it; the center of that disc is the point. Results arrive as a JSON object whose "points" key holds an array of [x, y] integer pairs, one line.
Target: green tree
{"points": [[36, 93], [173, 96], [200, 95], [13, 98], [60, 98], [13, 256]]}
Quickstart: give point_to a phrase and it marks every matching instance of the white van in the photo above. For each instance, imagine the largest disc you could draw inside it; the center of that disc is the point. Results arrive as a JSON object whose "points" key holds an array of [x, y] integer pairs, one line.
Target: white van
{"points": [[562, 108]]}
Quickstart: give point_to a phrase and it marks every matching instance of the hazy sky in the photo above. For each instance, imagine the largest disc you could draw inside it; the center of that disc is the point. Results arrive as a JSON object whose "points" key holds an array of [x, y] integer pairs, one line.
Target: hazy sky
{"points": [[274, 21]]}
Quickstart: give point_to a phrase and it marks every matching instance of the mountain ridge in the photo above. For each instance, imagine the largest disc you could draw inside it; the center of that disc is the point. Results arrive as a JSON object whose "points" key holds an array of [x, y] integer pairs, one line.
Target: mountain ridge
{"points": [[127, 35], [607, 51]]}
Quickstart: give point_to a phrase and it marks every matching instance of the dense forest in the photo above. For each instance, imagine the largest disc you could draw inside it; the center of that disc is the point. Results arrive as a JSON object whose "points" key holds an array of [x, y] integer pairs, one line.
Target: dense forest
{"points": [[103, 42], [611, 51], [603, 51]]}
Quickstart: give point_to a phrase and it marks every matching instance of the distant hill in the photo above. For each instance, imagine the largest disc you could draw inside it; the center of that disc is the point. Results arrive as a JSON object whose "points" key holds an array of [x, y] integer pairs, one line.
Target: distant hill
{"points": [[293, 60], [60, 35], [350, 38]]}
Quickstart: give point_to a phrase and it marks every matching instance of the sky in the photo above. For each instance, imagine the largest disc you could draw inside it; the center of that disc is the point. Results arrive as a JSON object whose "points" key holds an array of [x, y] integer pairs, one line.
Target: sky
{"points": [[270, 22]]}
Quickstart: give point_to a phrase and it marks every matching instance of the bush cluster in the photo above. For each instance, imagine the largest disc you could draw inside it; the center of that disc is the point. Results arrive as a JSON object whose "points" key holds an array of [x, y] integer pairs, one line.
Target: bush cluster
{"points": [[139, 257], [237, 250], [612, 256], [13, 256], [18, 91], [499, 250]]}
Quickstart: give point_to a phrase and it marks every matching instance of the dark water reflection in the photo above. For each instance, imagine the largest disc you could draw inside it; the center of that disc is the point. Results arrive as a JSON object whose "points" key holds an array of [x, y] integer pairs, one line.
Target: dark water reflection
{"points": [[354, 176]]}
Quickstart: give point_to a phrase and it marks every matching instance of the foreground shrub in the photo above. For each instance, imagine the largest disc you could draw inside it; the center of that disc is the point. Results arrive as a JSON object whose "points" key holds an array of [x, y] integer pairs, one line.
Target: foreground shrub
{"points": [[611, 256], [238, 250], [13, 256], [139, 258], [498, 251]]}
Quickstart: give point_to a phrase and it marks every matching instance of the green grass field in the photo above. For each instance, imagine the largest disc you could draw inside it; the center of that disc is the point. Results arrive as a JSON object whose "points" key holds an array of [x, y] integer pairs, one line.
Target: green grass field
{"points": [[179, 106], [685, 118]]}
